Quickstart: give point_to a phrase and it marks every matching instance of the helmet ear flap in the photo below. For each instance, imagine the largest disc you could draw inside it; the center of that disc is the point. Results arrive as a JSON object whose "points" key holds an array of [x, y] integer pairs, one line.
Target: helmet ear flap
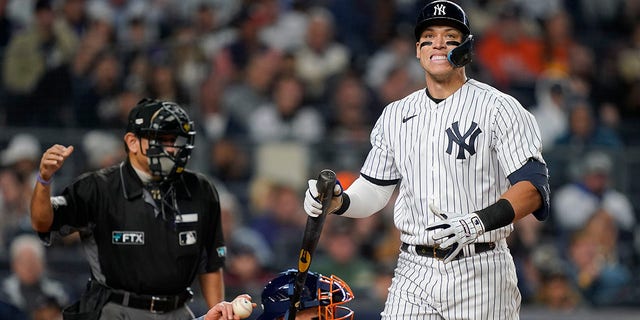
{"points": [[462, 54]]}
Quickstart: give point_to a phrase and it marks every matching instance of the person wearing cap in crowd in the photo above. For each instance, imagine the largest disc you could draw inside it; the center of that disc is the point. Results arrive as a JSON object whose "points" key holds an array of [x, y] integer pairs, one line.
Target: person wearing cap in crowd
{"points": [[592, 190], [19, 164], [22, 155], [148, 225]]}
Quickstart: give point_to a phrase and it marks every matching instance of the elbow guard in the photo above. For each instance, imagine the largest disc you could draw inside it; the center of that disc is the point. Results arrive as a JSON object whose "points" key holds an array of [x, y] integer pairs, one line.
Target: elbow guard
{"points": [[537, 173]]}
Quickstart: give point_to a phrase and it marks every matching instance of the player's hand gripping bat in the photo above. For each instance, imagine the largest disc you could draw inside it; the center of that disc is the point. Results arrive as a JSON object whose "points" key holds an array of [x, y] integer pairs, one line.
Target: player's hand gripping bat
{"points": [[326, 183]]}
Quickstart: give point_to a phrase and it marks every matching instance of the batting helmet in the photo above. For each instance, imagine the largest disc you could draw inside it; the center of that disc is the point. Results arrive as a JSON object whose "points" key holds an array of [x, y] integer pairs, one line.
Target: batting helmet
{"points": [[154, 120], [326, 294], [442, 12]]}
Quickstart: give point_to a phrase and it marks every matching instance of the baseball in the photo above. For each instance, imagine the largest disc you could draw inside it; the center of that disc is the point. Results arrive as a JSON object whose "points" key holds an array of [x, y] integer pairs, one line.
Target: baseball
{"points": [[242, 307]]}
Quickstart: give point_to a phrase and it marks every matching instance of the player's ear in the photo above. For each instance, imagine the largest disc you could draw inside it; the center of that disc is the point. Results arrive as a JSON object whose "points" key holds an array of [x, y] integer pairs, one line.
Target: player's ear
{"points": [[133, 143]]}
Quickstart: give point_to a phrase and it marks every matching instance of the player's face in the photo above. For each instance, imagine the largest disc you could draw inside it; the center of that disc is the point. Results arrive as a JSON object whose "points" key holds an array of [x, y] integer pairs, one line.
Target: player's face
{"points": [[433, 47]]}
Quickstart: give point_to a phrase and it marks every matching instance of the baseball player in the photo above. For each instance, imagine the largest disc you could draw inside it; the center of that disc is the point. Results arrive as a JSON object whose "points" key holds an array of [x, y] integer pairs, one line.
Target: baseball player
{"points": [[322, 298], [148, 225], [468, 163]]}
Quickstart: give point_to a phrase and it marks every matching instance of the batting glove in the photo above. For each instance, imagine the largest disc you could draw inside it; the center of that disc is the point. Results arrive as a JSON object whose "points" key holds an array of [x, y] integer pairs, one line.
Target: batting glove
{"points": [[312, 205], [457, 232]]}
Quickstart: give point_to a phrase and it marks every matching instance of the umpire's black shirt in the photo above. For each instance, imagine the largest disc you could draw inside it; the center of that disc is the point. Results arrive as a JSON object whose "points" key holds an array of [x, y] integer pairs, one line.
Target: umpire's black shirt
{"points": [[128, 244]]}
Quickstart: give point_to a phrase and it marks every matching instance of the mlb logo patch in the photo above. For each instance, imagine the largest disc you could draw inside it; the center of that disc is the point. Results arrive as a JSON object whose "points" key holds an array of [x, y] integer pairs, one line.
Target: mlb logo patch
{"points": [[127, 237], [187, 238]]}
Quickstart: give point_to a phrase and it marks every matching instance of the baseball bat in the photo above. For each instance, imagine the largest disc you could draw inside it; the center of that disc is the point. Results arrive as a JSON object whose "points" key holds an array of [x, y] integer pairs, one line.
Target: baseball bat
{"points": [[326, 183]]}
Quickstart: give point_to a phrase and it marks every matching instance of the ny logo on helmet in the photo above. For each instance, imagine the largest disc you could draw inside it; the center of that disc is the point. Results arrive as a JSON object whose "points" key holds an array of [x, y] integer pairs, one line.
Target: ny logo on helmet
{"points": [[460, 139], [438, 10]]}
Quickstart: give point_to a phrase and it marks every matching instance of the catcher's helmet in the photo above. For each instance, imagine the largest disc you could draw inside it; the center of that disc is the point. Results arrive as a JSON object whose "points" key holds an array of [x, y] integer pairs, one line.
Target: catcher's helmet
{"points": [[326, 294], [155, 120], [444, 12]]}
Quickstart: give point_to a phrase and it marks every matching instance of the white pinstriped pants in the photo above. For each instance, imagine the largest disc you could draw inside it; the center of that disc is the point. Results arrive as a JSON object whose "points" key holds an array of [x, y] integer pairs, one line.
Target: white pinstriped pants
{"points": [[482, 286]]}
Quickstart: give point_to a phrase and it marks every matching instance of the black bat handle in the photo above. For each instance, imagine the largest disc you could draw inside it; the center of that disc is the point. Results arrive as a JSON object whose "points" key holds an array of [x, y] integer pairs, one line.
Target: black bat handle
{"points": [[325, 185]]}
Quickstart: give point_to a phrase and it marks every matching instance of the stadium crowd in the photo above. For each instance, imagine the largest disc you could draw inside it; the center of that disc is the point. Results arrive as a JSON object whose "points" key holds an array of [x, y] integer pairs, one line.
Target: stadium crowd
{"points": [[280, 89]]}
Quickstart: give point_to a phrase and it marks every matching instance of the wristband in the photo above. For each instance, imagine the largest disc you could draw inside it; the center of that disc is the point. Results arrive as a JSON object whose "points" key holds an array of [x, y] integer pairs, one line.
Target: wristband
{"points": [[497, 215], [43, 181], [346, 202]]}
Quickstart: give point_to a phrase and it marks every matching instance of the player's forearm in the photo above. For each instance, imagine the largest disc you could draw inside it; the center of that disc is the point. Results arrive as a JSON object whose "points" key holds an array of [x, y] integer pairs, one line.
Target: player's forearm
{"points": [[524, 199], [366, 198], [212, 285], [41, 209]]}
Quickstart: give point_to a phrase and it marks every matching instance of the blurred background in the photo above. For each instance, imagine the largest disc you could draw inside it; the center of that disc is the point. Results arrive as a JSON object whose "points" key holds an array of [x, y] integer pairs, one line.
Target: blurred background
{"points": [[281, 89]]}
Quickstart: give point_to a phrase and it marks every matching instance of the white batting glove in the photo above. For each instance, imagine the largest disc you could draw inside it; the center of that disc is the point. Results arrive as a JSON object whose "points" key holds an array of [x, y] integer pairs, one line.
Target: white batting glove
{"points": [[456, 232], [312, 205]]}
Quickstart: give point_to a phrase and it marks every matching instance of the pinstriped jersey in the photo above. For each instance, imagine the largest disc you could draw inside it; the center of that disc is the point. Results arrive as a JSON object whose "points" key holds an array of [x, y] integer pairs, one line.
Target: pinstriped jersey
{"points": [[456, 154]]}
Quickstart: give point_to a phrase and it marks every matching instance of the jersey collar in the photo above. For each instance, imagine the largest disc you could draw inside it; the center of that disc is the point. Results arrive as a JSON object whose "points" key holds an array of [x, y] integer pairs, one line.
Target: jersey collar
{"points": [[132, 185]]}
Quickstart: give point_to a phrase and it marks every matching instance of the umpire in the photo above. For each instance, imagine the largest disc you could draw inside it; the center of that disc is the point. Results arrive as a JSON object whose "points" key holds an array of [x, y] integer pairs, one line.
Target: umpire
{"points": [[148, 226]]}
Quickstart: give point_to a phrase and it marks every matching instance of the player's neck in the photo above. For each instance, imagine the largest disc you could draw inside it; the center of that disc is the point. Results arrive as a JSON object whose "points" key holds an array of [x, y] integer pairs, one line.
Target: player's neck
{"points": [[442, 88]]}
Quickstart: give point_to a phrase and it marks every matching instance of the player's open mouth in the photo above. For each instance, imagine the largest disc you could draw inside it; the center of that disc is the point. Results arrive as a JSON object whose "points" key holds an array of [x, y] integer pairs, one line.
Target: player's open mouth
{"points": [[438, 57]]}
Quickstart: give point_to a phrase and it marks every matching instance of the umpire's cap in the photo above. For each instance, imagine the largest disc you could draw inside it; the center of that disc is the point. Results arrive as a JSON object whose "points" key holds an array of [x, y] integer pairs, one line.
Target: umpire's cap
{"points": [[442, 12]]}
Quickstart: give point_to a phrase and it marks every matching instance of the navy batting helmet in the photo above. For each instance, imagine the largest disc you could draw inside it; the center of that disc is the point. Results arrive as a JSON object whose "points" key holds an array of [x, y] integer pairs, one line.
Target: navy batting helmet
{"points": [[326, 294], [442, 12]]}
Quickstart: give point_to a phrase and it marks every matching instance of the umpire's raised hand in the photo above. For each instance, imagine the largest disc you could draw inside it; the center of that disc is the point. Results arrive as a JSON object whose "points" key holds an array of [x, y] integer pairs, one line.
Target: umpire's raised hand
{"points": [[41, 208], [52, 160]]}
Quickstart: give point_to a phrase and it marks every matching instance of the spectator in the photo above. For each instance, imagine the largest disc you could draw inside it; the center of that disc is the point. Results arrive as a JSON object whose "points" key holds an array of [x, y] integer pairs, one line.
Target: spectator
{"points": [[550, 110], [350, 111], [340, 251], [102, 149], [399, 52], [557, 292], [286, 118], [14, 207], [22, 155], [602, 280], [74, 15], [557, 41], [628, 65], [520, 52], [242, 98], [36, 69], [19, 162], [96, 93], [321, 58], [585, 133], [249, 22], [576, 202], [29, 283], [281, 223]]}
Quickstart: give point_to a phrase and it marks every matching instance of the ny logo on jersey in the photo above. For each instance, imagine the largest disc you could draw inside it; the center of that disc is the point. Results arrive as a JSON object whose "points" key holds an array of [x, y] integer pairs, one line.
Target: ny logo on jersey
{"points": [[438, 10], [454, 136]]}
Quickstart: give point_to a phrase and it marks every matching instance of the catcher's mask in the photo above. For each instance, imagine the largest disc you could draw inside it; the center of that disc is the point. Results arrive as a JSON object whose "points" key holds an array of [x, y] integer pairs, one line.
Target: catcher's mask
{"points": [[170, 133], [444, 12], [325, 294]]}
